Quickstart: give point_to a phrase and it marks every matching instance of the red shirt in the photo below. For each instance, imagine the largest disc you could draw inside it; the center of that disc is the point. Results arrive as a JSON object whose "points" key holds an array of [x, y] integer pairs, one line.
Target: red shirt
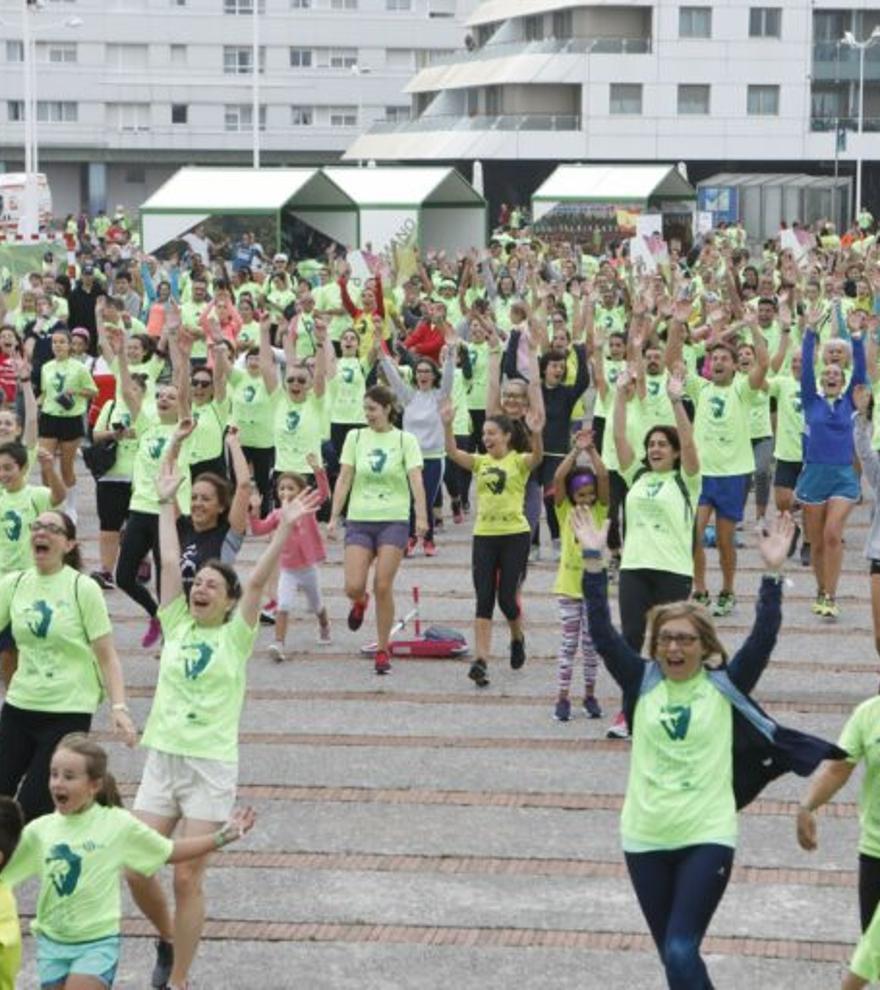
{"points": [[426, 340]]}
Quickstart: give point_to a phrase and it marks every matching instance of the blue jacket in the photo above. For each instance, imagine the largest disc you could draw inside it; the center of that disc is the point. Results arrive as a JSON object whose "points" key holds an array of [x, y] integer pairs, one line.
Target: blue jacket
{"points": [[762, 749], [828, 425]]}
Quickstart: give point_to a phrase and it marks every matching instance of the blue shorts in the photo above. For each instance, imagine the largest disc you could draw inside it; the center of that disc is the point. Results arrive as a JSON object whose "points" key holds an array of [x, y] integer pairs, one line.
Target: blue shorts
{"points": [[58, 960], [725, 495], [820, 482]]}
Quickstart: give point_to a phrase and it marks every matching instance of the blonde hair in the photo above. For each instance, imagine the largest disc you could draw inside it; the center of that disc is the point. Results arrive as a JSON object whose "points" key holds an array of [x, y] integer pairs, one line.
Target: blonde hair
{"points": [[699, 618]]}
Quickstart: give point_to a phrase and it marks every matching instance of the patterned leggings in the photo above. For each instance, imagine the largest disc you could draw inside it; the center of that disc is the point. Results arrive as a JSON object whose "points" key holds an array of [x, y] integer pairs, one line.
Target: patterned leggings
{"points": [[573, 617]]}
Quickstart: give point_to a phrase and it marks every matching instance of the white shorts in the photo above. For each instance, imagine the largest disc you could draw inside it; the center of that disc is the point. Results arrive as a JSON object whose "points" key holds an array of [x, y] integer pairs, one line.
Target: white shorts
{"points": [[305, 580], [187, 787]]}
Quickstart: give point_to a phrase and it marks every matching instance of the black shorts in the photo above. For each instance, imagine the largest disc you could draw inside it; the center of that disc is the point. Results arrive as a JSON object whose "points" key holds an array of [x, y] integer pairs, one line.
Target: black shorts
{"points": [[787, 473], [62, 428], [875, 567], [113, 499]]}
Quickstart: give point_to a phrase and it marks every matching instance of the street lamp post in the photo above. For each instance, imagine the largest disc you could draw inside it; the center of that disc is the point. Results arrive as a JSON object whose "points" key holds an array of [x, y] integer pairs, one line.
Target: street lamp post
{"points": [[255, 82], [862, 46], [358, 71]]}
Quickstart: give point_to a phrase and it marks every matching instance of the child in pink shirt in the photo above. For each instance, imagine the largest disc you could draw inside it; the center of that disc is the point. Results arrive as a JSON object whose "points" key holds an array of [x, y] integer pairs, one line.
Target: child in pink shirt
{"points": [[300, 558]]}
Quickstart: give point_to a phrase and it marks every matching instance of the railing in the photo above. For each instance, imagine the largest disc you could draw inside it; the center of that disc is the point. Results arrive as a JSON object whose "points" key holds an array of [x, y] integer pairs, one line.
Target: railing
{"points": [[836, 60], [549, 46], [483, 122], [871, 124]]}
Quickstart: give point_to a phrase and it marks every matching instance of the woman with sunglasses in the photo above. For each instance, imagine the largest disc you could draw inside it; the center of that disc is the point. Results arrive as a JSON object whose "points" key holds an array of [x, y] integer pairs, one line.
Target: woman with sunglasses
{"points": [[701, 750], [67, 661]]}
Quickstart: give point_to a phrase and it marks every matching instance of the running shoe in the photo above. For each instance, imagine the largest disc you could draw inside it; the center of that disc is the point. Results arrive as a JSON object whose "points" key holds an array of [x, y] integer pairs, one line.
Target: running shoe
{"points": [[562, 712], [517, 653], [832, 609], [724, 604], [276, 652], [153, 634], [702, 598], [267, 613], [806, 559], [535, 553], [466, 508], [792, 547], [411, 544], [457, 514], [479, 673], [356, 613], [618, 728], [592, 706], [818, 606], [104, 579], [739, 541], [382, 663], [557, 549], [429, 548], [164, 964], [324, 636]]}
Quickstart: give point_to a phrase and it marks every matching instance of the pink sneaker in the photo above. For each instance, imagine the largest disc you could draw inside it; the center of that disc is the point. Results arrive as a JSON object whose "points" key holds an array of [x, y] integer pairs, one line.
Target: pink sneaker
{"points": [[153, 634]]}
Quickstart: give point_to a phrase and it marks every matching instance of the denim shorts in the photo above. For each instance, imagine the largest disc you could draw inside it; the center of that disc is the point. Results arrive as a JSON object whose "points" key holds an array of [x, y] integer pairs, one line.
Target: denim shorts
{"points": [[726, 495], [372, 535], [58, 960], [820, 482]]}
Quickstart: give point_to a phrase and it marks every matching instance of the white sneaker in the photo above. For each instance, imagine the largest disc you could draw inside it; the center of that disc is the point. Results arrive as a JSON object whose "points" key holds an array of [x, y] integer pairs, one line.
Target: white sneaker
{"points": [[324, 636], [276, 653]]}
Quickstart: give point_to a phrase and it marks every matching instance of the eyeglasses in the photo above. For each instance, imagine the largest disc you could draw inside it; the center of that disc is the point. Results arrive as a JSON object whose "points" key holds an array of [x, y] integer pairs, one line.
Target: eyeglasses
{"points": [[513, 396], [201, 383], [297, 379], [45, 527], [682, 638]]}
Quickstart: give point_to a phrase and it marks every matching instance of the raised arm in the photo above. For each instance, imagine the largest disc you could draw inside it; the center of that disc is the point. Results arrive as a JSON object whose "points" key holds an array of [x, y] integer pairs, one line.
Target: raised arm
{"points": [[267, 357], [51, 478], [398, 386], [238, 510], [859, 375], [808, 368], [131, 394], [625, 453], [758, 374], [690, 456], [461, 457], [320, 382], [167, 484]]}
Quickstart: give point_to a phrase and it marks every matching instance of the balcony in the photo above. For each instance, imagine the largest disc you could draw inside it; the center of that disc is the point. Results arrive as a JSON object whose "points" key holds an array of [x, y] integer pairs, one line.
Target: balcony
{"points": [[483, 122], [869, 124], [549, 46], [833, 60]]}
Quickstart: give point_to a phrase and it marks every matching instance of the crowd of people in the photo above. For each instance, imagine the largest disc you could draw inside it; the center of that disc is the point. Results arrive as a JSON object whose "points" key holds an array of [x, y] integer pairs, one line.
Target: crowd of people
{"points": [[219, 394]]}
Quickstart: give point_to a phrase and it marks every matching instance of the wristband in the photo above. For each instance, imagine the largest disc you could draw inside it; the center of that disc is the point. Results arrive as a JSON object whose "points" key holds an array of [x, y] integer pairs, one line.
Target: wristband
{"points": [[592, 554], [219, 839], [120, 706]]}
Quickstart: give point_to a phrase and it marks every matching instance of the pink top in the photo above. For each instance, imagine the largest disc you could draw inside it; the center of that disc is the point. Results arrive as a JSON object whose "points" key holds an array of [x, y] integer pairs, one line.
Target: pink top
{"points": [[304, 545]]}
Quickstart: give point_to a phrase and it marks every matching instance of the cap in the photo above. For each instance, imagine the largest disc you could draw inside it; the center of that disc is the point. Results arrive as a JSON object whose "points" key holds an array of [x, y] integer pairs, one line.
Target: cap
{"points": [[281, 256], [80, 332], [88, 269]]}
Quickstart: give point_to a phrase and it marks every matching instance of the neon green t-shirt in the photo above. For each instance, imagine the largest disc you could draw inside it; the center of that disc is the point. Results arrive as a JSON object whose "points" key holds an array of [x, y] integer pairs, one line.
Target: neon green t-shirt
{"points": [[117, 412], [58, 377], [501, 487], [382, 462], [55, 618], [347, 388], [861, 740], [152, 368], [659, 523], [759, 415], [604, 406], [10, 939], [461, 423], [789, 418], [251, 409], [17, 511], [722, 426], [211, 419], [190, 317], [153, 439], [249, 334], [680, 788], [201, 686], [569, 577], [298, 428], [612, 320], [329, 297], [866, 958], [79, 859], [479, 358], [635, 434], [656, 409]]}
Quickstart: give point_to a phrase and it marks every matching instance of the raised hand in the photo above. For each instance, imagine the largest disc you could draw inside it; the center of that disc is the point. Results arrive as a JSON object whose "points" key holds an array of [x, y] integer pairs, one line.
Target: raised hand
{"points": [[305, 503], [675, 388], [587, 533], [775, 542], [169, 480]]}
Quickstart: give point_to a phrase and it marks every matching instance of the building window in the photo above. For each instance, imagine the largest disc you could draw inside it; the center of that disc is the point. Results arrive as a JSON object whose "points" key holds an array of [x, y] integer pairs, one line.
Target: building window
{"points": [[534, 28], [302, 116], [693, 99], [428, 56], [563, 24], [237, 60], [343, 116], [56, 53], [128, 116], [399, 58], [765, 22], [300, 4], [343, 4], [625, 98], [398, 4], [763, 101], [695, 22], [243, 6], [179, 113], [178, 54], [343, 58], [396, 115], [127, 56], [135, 175], [48, 111], [240, 117], [14, 51], [300, 58]]}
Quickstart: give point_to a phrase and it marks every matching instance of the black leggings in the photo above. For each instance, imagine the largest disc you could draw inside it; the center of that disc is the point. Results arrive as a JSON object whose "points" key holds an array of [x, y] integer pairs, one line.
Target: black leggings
{"points": [[678, 892], [478, 418], [616, 499], [640, 591], [498, 564], [261, 460], [27, 742], [869, 888], [457, 479], [140, 537]]}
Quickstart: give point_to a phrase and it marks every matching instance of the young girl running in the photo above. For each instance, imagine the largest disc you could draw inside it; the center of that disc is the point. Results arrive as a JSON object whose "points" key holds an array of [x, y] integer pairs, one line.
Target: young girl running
{"points": [[302, 553], [573, 486], [79, 852]]}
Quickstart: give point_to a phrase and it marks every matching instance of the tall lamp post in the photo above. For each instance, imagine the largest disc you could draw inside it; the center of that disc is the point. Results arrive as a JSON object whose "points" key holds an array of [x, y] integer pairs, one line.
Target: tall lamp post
{"points": [[861, 46], [255, 82], [358, 71]]}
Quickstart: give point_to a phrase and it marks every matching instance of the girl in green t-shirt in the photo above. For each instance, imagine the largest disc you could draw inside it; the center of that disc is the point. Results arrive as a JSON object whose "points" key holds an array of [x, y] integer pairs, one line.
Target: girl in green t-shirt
{"points": [[502, 535], [79, 853]]}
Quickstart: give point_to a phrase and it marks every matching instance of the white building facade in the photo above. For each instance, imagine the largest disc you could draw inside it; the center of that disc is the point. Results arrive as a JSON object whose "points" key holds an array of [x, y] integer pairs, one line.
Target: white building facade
{"points": [[722, 86], [129, 90]]}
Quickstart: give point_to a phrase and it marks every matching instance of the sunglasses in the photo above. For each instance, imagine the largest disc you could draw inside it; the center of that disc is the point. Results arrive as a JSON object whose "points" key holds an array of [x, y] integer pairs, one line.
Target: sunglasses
{"points": [[297, 379], [201, 383], [43, 527]]}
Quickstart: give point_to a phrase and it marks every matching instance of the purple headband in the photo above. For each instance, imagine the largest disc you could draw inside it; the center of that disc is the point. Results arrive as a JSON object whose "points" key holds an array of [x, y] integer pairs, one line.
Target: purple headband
{"points": [[578, 480]]}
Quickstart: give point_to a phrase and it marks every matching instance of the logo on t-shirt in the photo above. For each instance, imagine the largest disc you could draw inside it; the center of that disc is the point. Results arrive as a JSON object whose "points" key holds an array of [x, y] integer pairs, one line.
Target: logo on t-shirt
{"points": [[249, 393], [64, 868], [293, 418], [38, 618], [196, 658], [12, 525], [156, 446], [347, 375], [496, 479], [652, 488], [58, 382], [717, 404], [676, 720], [654, 389], [796, 403], [376, 459]]}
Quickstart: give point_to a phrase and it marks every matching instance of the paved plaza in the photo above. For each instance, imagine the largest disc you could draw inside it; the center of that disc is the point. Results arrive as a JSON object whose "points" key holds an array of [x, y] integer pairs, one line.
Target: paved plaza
{"points": [[416, 833]]}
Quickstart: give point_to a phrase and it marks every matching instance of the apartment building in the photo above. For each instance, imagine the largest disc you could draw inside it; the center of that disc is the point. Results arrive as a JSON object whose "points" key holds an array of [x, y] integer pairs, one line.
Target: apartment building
{"points": [[129, 90], [720, 86]]}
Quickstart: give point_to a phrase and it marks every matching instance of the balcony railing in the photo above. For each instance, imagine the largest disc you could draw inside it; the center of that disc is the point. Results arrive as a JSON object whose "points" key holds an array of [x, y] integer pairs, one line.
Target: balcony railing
{"points": [[844, 124], [835, 60], [550, 46], [483, 122]]}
